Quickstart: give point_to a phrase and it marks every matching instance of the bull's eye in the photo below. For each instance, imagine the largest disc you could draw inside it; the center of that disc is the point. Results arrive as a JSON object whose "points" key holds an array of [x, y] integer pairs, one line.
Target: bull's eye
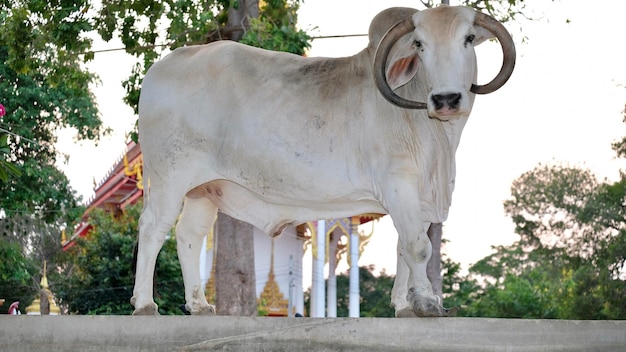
{"points": [[469, 39], [418, 44]]}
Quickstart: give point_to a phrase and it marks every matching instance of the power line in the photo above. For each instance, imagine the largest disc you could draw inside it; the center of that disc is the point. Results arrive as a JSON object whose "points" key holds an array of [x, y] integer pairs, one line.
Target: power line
{"points": [[339, 36], [195, 43], [17, 135]]}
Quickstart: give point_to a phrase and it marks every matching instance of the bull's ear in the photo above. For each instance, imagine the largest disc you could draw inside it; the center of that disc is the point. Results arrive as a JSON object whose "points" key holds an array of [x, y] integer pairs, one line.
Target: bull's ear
{"points": [[402, 68]]}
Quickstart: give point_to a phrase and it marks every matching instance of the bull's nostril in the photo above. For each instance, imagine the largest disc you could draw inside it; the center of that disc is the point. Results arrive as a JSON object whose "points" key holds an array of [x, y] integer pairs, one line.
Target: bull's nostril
{"points": [[455, 100], [437, 101], [451, 100]]}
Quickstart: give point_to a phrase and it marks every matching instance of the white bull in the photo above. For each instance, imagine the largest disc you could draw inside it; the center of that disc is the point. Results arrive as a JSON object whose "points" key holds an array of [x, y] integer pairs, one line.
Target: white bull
{"points": [[275, 139]]}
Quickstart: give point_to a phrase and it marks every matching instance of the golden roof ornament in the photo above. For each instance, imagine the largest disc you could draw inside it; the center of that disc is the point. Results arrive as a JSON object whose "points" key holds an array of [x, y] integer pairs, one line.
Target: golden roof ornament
{"points": [[134, 170], [272, 302]]}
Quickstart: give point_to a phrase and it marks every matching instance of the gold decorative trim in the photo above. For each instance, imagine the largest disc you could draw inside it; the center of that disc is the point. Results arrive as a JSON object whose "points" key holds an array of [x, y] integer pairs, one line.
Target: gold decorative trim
{"points": [[135, 171]]}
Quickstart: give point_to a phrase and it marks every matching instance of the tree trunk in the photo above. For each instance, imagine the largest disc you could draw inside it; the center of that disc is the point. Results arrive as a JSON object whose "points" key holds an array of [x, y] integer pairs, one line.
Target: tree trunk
{"points": [[239, 18], [235, 281], [433, 270], [44, 302]]}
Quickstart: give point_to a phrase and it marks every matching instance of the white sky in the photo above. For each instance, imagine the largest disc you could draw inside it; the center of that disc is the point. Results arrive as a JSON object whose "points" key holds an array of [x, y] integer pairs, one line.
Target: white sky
{"points": [[563, 103]]}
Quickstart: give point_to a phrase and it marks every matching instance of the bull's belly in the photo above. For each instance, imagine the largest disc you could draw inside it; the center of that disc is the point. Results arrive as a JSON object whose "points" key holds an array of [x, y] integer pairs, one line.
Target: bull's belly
{"points": [[271, 211]]}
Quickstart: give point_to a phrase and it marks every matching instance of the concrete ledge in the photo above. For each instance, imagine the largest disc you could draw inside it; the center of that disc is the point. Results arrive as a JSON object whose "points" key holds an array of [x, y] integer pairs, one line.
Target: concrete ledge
{"points": [[189, 333]]}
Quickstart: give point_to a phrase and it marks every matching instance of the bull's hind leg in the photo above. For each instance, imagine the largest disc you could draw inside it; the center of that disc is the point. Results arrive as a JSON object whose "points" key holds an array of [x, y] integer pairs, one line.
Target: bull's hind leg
{"points": [[156, 220], [194, 224]]}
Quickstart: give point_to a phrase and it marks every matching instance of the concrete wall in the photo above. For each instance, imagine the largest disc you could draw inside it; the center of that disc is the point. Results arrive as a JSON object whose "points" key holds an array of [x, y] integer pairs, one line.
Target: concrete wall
{"points": [[127, 333]]}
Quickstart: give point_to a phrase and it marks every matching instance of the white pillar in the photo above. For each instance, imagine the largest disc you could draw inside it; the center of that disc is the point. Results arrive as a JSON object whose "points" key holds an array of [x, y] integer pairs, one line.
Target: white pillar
{"points": [[291, 288], [354, 310], [318, 299], [331, 300], [299, 291]]}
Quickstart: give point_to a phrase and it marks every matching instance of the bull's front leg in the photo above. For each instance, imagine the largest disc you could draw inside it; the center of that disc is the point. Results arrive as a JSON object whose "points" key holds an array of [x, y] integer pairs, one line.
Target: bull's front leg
{"points": [[403, 291], [412, 293]]}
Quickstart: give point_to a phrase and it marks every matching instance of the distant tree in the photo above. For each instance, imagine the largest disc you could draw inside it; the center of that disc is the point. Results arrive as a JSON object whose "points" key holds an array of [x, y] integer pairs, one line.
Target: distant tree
{"points": [[7, 166], [150, 29], [26, 243], [44, 87], [275, 28], [375, 293], [546, 207], [458, 290], [569, 261], [503, 11], [16, 273], [97, 277], [501, 285]]}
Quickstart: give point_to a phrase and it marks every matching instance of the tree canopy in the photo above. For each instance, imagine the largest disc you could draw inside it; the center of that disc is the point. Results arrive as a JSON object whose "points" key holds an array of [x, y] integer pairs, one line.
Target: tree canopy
{"points": [[148, 29], [375, 293], [44, 87], [97, 277], [569, 261]]}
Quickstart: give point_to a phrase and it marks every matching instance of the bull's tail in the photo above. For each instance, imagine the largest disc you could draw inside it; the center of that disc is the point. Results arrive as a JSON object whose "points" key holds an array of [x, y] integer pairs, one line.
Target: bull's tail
{"points": [[134, 269]]}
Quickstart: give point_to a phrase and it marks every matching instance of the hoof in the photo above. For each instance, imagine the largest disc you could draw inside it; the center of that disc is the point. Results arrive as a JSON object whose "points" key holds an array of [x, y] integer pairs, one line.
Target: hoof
{"points": [[202, 310], [150, 309], [428, 306], [405, 313]]}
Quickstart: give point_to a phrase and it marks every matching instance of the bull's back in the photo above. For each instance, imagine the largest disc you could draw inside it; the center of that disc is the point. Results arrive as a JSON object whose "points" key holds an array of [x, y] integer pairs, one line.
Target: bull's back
{"points": [[195, 69], [261, 119], [191, 95], [208, 81]]}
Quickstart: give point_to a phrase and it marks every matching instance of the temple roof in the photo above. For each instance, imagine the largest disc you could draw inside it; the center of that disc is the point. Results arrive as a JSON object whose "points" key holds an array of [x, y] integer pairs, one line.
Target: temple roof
{"points": [[121, 186]]}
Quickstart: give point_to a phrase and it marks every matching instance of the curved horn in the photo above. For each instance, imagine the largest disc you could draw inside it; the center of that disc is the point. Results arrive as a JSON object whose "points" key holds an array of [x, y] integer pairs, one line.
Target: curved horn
{"points": [[380, 63], [508, 53]]}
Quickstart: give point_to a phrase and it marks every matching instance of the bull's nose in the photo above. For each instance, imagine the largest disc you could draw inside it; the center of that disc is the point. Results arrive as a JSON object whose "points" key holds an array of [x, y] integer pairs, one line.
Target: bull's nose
{"points": [[451, 101]]}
